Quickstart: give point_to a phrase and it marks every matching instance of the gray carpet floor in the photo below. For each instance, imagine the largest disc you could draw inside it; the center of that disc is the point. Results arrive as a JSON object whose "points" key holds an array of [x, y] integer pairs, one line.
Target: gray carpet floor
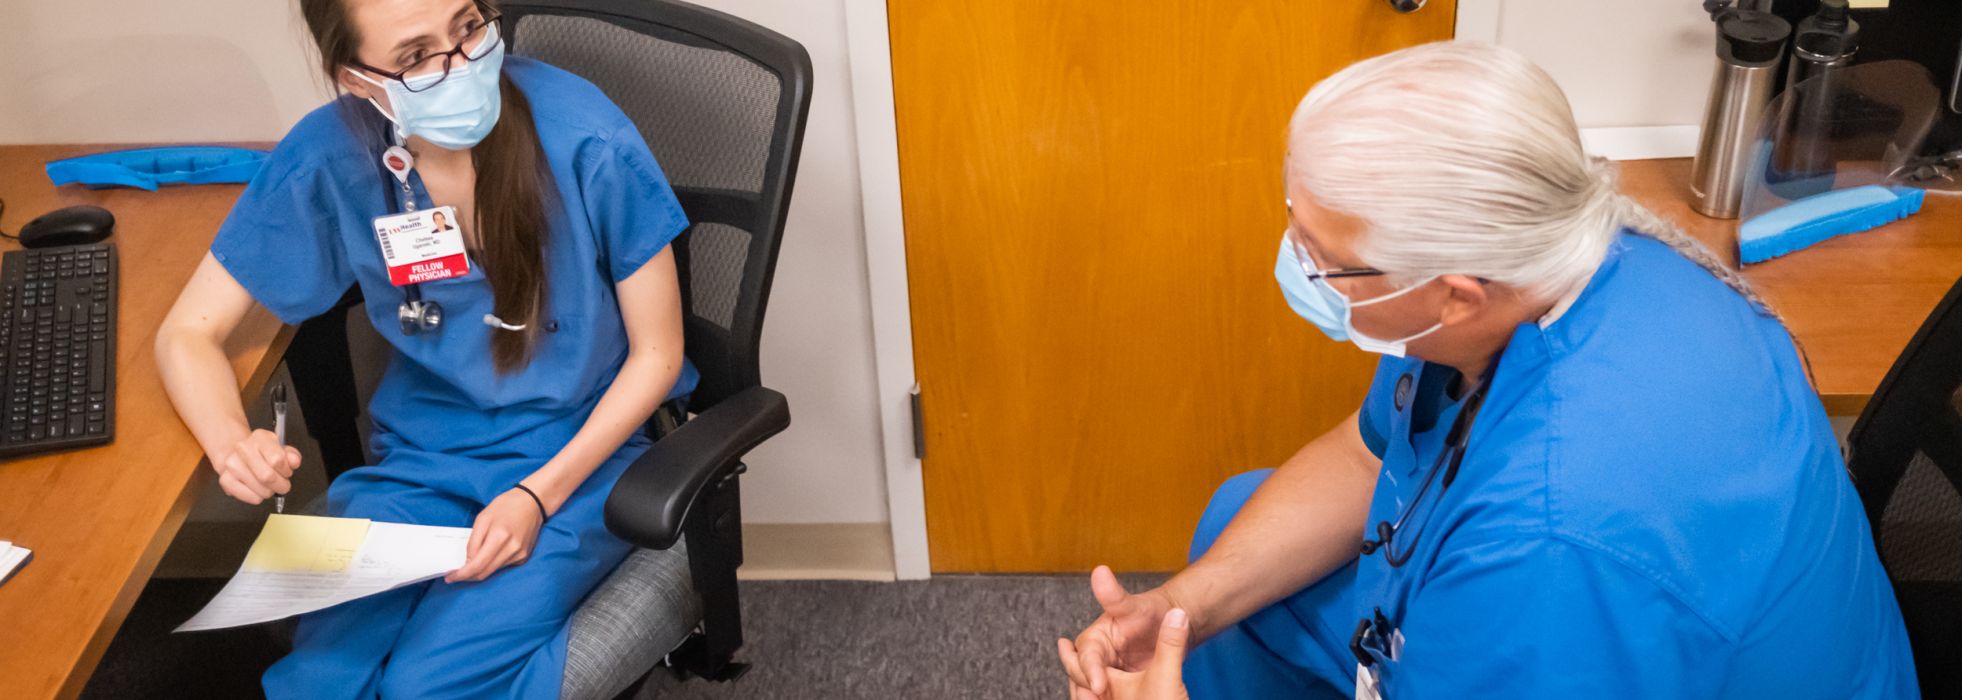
{"points": [[950, 637]]}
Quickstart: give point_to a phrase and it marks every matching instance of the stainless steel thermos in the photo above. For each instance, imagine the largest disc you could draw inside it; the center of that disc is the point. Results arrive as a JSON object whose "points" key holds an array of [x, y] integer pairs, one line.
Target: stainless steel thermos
{"points": [[1749, 46]]}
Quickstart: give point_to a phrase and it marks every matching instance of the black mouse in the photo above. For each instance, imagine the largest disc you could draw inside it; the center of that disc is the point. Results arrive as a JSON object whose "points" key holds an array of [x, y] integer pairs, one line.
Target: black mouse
{"points": [[71, 226]]}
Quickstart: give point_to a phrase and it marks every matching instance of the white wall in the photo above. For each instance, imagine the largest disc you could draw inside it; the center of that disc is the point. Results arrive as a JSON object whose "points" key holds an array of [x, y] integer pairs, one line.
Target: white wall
{"points": [[113, 71], [1636, 71], [1621, 63], [817, 345]]}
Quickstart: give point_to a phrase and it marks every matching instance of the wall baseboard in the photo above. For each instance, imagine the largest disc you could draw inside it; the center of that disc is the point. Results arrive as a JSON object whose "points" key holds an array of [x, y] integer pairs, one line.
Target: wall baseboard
{"points": [[817, 551], [1641, 142]]}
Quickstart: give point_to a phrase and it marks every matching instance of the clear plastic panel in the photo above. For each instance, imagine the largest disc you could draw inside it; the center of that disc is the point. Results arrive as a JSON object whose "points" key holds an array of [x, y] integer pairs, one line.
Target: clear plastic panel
{"points": [[1854, 126]]}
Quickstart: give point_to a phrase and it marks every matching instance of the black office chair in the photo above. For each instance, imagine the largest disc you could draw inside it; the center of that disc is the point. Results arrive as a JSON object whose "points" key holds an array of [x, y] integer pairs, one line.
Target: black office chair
{"points": [[1906, 457], [722, 103]]}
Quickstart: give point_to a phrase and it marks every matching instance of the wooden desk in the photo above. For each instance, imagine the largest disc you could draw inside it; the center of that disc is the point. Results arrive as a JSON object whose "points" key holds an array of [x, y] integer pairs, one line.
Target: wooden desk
{"points": [[1853, 301], [99, 519]]}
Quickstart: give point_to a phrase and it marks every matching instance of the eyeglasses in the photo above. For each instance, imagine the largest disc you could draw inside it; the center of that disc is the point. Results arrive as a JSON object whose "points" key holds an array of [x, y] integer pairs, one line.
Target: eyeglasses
{"points": [[1308, 261], [481, 35], [1314, 273]]}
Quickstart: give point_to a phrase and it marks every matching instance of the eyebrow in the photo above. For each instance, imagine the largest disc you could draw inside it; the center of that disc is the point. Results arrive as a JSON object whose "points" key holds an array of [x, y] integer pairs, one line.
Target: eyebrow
{"points": [[423, 39]]}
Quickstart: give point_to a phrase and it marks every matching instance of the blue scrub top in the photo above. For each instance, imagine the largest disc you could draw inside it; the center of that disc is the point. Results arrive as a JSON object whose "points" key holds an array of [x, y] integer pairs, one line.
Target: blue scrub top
{"points": [[303, 232], [1653, 505]]}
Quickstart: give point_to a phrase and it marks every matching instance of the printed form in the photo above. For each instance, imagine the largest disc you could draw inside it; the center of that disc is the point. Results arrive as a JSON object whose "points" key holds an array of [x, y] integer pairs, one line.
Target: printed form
{"points": [[303, 563]]}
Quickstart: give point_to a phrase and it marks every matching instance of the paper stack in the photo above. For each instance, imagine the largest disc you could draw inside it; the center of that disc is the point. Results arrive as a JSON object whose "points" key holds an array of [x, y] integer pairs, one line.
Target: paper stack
{"points": [[303, 563], [12, 558]]}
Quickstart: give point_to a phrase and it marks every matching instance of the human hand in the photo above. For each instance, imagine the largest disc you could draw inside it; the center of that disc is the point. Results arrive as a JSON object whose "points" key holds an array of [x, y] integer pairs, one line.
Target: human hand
{"points": [[502, 536], [256, 468], [1163, 678], [1123, 638]]}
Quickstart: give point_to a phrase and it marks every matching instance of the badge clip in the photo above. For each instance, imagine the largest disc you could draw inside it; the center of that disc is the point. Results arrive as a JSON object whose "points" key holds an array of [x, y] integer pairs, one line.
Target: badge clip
{"points": [[399, 161]]}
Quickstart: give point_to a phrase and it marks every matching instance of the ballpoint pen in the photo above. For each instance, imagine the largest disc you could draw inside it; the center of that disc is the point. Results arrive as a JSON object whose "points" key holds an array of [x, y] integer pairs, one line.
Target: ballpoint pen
{"points": [[279, 431]]}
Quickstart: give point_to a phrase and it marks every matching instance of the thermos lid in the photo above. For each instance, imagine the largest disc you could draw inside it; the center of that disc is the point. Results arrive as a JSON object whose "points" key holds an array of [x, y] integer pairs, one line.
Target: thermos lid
{"points": [[1828, 35], [1752, 36]]}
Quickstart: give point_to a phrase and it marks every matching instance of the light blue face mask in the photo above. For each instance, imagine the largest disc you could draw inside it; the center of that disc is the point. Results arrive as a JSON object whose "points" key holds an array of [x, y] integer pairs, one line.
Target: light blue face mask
{"points": [[455, 114], [1319, 303]]}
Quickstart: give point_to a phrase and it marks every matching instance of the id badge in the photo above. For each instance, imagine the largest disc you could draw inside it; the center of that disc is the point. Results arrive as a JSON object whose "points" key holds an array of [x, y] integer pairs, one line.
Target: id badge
{"points": [[422, 246]]}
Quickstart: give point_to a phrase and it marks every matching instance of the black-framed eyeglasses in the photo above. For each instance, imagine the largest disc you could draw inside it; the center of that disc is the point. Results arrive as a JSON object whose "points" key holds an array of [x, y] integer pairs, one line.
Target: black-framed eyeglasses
{"points": [[1308, 261], [1314, 273], [480, 37]]}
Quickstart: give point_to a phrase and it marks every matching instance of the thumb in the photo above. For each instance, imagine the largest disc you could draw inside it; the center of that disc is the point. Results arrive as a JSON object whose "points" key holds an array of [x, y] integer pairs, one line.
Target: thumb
{"points": [[1104, 585], [1172, 638]]}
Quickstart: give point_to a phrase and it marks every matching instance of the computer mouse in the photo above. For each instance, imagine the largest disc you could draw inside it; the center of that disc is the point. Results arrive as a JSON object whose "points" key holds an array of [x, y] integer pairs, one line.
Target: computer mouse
{"points": [[79, 225]]}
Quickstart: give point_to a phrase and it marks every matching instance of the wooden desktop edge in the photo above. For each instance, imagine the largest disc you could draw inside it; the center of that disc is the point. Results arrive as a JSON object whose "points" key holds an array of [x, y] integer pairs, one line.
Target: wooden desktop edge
{"points": [[78, 676]]}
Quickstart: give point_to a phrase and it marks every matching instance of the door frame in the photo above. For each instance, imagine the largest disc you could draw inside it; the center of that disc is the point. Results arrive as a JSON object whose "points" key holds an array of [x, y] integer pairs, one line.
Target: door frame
{"points": [[870, 50], [868, 40]]}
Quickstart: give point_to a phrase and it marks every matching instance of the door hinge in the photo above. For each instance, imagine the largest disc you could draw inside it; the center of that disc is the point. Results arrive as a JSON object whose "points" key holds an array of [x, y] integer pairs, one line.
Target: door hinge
{"points": [[919, 426]]}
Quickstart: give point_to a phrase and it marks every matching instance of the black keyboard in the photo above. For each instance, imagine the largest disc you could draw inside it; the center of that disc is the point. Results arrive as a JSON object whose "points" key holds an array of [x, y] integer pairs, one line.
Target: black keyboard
{"points": [[57, 348]]}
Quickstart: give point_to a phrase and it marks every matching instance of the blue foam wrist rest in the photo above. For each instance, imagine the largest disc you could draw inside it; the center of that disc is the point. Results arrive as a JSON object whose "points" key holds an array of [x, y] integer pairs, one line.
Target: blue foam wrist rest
{"points": [[149, 168], [1822, 216]]}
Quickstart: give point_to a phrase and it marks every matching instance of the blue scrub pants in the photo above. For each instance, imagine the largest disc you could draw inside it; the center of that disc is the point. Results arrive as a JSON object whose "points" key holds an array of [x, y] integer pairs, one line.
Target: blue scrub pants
{"points": [[1296, 648], [503, 637]]}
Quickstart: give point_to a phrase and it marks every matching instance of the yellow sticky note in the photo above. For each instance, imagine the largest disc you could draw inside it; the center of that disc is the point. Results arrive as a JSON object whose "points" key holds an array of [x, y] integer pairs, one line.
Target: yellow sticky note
{"points": [[1867, 4], [306, 543]]}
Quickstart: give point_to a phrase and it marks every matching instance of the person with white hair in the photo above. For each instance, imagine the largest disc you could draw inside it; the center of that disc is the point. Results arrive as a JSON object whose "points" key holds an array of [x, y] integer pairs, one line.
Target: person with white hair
{"points": [[1590, 464]]}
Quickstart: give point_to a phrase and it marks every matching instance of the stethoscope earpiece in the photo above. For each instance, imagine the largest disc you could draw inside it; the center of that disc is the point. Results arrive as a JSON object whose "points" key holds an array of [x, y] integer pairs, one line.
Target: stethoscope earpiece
{"points": [[493, 321]]}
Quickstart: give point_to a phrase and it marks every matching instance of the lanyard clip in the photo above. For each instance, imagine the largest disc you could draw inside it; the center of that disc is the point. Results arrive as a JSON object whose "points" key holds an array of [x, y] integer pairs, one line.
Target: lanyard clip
{"points": [[399, 162]]}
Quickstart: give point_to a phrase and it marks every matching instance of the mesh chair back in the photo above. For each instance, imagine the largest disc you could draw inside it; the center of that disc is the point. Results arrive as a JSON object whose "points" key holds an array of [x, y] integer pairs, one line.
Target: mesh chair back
{"points": [[1905, 453], [722, 104]]}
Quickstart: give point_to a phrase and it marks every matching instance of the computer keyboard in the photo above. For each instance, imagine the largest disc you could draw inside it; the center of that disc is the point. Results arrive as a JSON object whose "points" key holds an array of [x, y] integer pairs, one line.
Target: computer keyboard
{"points": [[57, 348]]}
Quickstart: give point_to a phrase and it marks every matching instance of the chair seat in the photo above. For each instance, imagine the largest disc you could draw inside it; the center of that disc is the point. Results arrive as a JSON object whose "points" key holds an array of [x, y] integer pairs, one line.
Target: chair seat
{"points": [[642, 611]]}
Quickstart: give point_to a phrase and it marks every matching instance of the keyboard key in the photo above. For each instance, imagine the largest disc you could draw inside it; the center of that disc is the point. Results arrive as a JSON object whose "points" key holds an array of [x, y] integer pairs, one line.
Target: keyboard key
{"points": [[98, 351], [96, 428], [56, 430]]}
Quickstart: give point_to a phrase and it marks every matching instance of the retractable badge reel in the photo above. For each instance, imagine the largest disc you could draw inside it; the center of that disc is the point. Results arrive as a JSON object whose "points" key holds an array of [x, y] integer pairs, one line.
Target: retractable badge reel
{"points": [[416, 250]]}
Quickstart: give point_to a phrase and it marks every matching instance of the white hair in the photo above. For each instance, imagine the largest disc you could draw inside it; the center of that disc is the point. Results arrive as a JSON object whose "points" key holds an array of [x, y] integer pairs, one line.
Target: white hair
{"points": [[1463, 158]]}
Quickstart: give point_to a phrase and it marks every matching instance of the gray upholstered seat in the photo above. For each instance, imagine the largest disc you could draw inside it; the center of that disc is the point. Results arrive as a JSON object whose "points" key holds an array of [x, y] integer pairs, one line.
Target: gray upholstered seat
{"points": [[641, 612]]}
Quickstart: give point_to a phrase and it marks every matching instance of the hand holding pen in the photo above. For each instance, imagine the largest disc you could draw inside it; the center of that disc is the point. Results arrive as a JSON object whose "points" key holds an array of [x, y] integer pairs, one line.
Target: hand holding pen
{"points": [[260, 466]]}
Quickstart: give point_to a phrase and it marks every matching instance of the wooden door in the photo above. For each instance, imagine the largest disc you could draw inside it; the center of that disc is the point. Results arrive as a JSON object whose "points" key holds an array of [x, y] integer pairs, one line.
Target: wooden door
{"points": [[1093, 204]]}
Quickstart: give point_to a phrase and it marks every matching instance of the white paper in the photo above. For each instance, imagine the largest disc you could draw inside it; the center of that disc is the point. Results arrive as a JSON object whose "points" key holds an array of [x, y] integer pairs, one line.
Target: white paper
{"points": [[316, 566], [11, 558]]}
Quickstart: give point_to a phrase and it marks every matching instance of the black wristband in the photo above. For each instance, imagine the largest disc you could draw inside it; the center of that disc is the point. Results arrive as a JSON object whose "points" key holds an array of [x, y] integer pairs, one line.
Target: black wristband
{"points": [[542, 515]]}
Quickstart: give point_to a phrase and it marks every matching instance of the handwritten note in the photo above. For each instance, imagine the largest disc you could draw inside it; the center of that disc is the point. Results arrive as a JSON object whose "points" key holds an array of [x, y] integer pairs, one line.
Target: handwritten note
{"points": [[303, 563]]}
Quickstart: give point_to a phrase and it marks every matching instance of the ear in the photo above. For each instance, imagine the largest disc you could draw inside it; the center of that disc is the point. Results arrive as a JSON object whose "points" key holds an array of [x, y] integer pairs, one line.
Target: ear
{"points": [[344, 77], [1468, 297]]}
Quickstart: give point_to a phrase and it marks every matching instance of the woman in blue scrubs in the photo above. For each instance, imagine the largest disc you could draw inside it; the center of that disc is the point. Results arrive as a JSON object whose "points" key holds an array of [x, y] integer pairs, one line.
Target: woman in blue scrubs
{"points": [[514, 414], [1590, 464]]}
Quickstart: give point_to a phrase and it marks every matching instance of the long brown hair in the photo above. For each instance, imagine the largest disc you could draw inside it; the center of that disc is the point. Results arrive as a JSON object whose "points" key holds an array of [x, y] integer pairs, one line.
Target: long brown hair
{"points": [[513, 187]]}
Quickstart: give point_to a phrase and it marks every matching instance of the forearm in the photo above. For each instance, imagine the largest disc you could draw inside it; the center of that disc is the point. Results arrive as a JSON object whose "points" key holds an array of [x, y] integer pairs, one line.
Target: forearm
{"points": [[1304, 522], [199, 379], [643, 382]]}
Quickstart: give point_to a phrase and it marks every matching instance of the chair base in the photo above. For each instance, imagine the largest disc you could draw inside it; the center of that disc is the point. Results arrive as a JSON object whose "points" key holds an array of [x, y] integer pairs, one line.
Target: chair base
{"points": [[692, 658]]}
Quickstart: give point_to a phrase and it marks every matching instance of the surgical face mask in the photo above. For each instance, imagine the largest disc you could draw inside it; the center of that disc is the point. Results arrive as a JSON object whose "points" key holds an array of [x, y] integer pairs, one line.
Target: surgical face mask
{"points": [[1320, 304], [456, 113]]}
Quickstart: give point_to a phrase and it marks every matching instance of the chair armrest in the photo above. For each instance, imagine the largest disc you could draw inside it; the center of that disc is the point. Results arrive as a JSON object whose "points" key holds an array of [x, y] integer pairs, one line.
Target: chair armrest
{"points": [[651, 500]]}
